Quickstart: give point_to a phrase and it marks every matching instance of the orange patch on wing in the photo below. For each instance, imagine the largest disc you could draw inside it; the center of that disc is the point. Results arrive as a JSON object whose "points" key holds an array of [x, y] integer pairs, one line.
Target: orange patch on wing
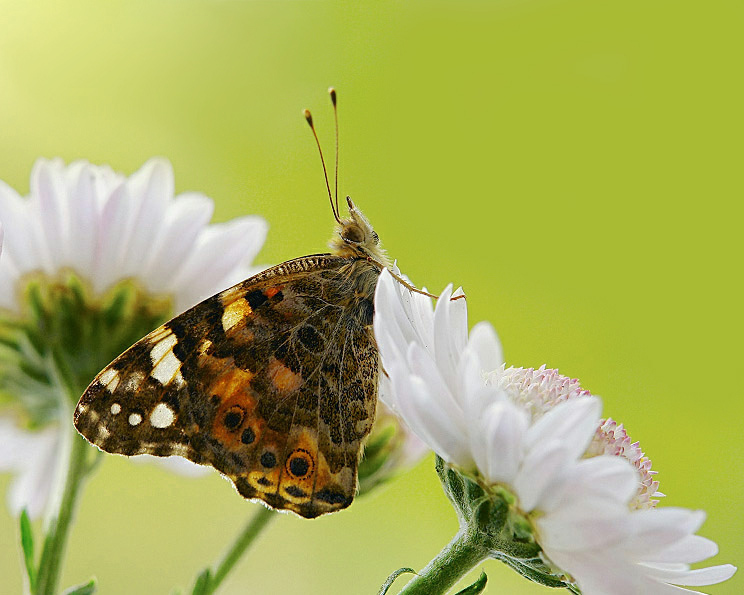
{"points": [[272, 291], [283, 379], [299, 468], [236, 407]]}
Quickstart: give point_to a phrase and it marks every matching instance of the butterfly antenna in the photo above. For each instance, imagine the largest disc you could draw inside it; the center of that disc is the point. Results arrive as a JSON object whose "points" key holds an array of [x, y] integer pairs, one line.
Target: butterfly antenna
{"points": [[332, 92], [309, 119]]}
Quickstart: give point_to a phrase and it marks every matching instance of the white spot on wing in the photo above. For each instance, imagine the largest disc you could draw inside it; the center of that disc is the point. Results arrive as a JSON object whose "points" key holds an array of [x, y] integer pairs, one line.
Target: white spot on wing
{"points": [[110, 379], [135, 419], [103, 433], [167, 369], [162, 347], [115, 408], [167, 366], [133, 381], [162, 416]]}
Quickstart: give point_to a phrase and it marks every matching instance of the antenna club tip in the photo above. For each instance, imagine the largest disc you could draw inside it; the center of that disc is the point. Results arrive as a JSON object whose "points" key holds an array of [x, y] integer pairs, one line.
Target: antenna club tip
{"points": [[332, 93], [308, 116]]}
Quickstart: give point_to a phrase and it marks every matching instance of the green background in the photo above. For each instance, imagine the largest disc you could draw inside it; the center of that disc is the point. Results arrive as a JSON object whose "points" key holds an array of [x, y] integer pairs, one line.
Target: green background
{"points": [[574, 165]]}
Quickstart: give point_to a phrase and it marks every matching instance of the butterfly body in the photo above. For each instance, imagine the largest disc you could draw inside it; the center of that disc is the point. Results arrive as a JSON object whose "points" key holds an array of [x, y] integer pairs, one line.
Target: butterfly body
{"points": [[273, 382]]}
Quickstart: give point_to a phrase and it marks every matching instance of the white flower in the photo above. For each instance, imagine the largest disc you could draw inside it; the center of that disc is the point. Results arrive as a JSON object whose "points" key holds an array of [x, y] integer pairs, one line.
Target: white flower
{"points": [[391, 446], [31, 457], [107, 228], [538, 435], [646, 551]]}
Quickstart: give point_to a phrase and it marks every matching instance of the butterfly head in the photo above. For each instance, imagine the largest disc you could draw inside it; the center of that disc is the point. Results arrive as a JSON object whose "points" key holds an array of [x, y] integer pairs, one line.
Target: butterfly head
{"points": [[355, 237]]}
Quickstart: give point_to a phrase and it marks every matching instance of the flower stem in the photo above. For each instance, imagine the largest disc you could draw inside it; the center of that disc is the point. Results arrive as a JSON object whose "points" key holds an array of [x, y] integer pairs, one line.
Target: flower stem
{"points": [[59, 528], [458, 557], [253, 528]]}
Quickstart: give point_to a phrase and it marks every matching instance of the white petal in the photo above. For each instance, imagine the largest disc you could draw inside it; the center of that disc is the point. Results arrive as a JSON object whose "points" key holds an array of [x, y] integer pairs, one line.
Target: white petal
{"points": [[544, 462], [184, 220], [218, 249], [498, 442], [151, 191], [485, 343], [48, 186], [689, 550], [31, 456], [19, 238], [572, 422], [694, 578], [606, 476], [445, 355], [661, 527], [84, 217], [115, 225], [430, 422], [585, 524]]}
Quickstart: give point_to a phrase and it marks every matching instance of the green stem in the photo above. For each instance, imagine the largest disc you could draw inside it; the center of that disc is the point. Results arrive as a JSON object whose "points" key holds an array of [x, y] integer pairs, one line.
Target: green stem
{"points": [[458, 557], [59, 528], [253, 528]]}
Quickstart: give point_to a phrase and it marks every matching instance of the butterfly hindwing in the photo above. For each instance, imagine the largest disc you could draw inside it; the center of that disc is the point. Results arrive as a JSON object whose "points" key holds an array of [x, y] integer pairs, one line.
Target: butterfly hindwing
{"points": [[273, 382]]}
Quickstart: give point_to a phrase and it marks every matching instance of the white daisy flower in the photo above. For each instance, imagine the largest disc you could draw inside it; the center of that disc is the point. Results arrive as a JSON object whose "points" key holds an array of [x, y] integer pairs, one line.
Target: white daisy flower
{"points": [[577, 481], [104, 228], [107, 228]]}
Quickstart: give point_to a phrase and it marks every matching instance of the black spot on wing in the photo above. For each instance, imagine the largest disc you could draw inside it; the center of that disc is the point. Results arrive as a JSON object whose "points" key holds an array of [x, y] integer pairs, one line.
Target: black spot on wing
{"points": [[295, 491], [333, 497], [248, 436], [255, 299], [268, 459]]}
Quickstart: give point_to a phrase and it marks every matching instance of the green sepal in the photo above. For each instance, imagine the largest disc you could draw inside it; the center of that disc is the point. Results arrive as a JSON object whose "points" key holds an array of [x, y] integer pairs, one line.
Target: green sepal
{"points": [[88, 588], [27, 543], [491, 521], [391, 579], [379, 455], [477, 587], [65, 335], [201, 586]]}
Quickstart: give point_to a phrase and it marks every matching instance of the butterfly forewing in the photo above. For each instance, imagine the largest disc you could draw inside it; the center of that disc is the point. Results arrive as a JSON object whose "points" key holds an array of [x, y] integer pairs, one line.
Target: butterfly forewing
{"points": [[273, 382]]}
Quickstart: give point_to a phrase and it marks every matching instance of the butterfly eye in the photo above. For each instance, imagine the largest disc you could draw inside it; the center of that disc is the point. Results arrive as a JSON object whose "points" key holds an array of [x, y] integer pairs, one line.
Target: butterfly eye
{"points": [[353, 234]]}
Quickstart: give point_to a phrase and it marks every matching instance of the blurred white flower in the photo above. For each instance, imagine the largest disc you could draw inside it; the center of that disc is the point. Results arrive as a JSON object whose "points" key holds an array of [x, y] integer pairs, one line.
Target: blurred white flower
{"points": [[107, 228], [539, 436], [32, 458]]}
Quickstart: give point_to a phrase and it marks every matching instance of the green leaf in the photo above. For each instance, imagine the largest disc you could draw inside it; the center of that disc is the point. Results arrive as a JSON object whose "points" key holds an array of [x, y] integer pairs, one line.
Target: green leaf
{"points": [[476, 587], [27, 543], [391, 579], [201, 587], [85, 589]]}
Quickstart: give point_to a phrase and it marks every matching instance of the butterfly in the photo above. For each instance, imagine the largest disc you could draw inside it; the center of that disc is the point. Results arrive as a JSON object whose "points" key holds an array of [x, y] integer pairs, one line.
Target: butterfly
{"points": [[273, 382]]}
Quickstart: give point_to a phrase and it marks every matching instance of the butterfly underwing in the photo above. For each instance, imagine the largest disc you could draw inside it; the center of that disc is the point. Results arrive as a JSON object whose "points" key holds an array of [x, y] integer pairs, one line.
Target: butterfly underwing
{"points": [[272, 382]]}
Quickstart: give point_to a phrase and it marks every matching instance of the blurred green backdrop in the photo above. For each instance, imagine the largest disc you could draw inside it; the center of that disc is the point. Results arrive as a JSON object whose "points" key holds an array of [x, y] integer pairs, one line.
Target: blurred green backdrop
{"points": [[572, 163]]}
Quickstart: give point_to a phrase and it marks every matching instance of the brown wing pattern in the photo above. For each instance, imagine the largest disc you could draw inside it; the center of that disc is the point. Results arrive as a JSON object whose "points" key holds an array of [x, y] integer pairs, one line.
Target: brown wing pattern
{"points": [[273, 382]]}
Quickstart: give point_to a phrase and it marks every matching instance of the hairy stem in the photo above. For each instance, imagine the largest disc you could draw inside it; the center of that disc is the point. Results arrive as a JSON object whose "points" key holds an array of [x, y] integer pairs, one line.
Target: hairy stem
{"points": [[458, 557], [55, 543]]}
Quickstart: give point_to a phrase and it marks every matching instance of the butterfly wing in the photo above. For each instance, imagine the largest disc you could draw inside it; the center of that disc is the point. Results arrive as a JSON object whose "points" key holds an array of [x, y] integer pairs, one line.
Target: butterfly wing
{"points": [[273, 382]]}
